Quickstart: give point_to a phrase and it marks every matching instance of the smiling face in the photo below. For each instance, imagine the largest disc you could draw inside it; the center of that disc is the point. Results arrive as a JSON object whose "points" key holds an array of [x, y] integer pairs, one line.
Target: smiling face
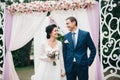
{"points": [[54, 32], [71, 25]]}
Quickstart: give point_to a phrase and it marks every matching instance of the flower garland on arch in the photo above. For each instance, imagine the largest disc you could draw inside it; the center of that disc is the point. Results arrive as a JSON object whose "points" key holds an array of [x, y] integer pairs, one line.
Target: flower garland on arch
{"points": [[48, 6]]}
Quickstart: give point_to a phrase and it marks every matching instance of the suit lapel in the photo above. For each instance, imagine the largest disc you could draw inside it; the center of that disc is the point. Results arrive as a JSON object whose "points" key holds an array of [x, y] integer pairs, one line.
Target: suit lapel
{"points": [[70, 40], [79, 38]]}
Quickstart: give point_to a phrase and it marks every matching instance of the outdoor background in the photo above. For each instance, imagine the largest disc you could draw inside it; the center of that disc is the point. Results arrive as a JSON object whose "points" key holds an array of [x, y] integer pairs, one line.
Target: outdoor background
{"points": [[24, 57]]}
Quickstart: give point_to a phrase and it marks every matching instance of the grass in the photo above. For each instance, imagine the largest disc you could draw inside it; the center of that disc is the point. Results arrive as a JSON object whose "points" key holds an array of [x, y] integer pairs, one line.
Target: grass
{"points": [[25, 73]]}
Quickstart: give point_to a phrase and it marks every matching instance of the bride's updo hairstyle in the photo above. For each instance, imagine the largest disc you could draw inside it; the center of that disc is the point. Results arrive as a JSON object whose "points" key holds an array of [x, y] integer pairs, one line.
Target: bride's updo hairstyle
{"points": [[49, 29]]}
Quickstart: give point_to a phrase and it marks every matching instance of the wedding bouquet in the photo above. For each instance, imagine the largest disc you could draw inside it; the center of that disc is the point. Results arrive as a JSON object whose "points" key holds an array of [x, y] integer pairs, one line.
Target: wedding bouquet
{"points": [[53, 55]]}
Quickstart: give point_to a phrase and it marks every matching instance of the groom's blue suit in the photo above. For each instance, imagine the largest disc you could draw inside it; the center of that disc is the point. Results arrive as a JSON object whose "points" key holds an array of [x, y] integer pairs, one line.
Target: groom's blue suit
{"points": [[80, 67]]}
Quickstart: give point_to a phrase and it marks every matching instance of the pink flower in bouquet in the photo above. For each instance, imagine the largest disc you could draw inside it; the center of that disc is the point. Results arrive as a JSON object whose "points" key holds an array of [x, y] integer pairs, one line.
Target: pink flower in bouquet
{"points": [[52, 55]]}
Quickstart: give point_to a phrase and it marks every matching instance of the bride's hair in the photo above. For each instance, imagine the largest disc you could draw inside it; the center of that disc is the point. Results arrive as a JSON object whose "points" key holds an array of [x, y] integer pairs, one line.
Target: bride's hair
{"points": [[49, 29]]}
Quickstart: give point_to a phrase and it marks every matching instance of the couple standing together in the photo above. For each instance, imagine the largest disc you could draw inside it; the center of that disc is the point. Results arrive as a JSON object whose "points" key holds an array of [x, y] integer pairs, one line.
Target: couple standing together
{"points": [[67, 60]]}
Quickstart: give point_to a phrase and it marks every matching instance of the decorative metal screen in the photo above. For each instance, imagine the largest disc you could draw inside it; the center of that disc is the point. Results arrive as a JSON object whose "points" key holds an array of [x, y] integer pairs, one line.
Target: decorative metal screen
{"points": [[2, 45], [110, 39]]}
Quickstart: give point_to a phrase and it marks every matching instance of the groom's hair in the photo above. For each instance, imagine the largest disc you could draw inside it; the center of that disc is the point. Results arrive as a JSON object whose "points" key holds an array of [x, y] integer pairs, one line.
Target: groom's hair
{"points": [[72, 19]]}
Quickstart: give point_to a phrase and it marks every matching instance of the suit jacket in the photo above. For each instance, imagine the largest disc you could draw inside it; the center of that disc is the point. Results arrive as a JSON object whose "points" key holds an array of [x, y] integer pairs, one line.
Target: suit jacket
{"points": [[80, 51]]}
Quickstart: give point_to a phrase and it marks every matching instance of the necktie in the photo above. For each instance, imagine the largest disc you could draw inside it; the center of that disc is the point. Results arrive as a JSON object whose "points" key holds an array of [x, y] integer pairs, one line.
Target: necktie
{"points": [[73, 37], [74, 41]]}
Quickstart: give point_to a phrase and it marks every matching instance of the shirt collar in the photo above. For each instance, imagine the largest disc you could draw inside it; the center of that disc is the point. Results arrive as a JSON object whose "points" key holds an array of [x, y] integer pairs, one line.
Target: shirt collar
{"points": [[76, 31]]}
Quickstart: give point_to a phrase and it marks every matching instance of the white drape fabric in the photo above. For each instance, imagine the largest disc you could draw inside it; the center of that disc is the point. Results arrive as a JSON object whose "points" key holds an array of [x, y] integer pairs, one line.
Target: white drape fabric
{"points": [[39, 38], [27, 26], [23, 29], [61, 16]]}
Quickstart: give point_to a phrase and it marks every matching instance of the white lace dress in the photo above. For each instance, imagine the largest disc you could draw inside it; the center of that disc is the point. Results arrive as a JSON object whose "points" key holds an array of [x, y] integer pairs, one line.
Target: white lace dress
{"points": [[46, 70]]}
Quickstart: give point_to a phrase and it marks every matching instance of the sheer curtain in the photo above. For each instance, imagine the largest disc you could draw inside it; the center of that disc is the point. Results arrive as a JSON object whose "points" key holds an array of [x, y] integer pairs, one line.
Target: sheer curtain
{"points": [[94, 14], [60, 16], [83, 23], [39, 37], [25, 27], [23, 30]]}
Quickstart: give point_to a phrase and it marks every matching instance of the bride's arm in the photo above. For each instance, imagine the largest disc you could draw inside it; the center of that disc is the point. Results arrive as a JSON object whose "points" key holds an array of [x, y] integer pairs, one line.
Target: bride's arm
{"points": [[62, 61], [43, 55]]}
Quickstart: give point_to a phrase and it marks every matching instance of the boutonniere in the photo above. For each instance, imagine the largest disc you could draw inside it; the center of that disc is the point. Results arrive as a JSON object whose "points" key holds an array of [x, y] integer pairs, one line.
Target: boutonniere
{"points": [[66, 41]]}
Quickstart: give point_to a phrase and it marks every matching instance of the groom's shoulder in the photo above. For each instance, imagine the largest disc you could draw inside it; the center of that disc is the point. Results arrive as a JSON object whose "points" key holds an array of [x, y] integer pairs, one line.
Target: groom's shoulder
{"points": [[84, 31], [65, 35]]}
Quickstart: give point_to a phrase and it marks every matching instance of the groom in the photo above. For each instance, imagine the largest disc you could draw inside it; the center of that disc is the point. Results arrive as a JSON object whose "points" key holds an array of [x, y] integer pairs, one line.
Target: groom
{"points": [[75, 45]]}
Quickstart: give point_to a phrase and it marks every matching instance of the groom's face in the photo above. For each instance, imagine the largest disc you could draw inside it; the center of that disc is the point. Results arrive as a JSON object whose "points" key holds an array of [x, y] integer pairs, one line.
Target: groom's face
{"points": [[70, 25]]}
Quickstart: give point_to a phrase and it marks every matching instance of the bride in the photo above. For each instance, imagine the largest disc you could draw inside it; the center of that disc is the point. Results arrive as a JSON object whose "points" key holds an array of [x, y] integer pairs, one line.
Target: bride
{"points": [[51, 65]]}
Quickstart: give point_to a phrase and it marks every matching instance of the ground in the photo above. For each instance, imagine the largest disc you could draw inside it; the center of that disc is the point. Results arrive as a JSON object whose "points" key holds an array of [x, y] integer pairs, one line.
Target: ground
{"points": [[25, 73]]}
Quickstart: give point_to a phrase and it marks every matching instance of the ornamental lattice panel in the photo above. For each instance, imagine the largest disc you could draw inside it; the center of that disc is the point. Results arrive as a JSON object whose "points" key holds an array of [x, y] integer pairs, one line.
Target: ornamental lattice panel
{"points": [[110, 39], [2, 45]]}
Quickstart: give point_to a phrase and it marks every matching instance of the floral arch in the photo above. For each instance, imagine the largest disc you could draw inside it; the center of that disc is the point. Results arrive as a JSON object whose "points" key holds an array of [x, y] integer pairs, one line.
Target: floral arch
{"points": [[30, 19]]}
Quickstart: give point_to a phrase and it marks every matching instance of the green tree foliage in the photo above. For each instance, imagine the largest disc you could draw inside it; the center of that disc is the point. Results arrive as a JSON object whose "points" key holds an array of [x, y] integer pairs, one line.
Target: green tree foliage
{"points": [[21, 57]]}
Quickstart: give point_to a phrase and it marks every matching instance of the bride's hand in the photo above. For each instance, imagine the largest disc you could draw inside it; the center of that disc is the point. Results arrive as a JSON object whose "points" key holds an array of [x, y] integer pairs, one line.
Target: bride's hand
{"points": [[62, 74], [52, 59]]}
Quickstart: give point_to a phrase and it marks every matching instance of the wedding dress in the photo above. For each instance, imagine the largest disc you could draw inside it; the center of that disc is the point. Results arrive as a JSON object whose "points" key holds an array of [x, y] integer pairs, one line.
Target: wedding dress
{"points": [[46, 70]]}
